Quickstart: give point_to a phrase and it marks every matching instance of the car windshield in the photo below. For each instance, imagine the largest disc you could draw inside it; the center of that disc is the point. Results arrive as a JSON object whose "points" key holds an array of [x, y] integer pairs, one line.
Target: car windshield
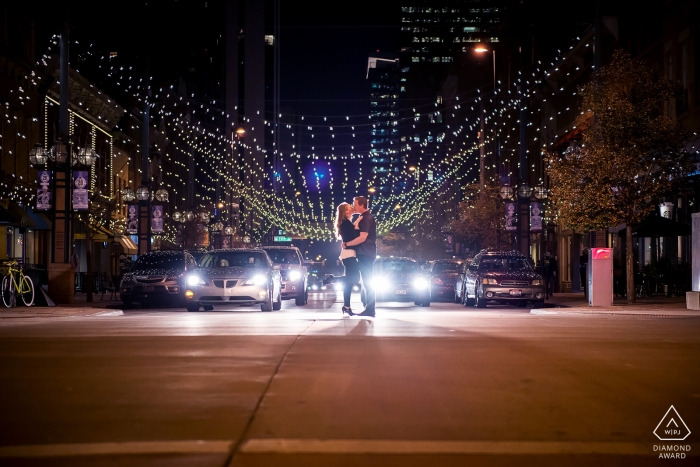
{"points": [[159, 262], [241, 259], [503, 263], [447, 267], [283, 256], [398, 266]]}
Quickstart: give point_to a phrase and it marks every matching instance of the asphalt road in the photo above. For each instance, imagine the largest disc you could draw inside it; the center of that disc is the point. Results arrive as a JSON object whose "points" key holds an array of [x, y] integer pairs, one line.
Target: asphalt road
{"points": [[444, 385]]}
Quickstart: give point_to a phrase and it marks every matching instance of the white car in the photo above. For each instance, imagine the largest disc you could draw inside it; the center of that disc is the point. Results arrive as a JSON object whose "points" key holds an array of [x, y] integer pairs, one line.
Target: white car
{"points": [[234, 277]]}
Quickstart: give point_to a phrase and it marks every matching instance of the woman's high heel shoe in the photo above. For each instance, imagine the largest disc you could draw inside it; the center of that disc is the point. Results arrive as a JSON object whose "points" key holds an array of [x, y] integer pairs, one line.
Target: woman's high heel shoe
{"points": [[348, 310]]}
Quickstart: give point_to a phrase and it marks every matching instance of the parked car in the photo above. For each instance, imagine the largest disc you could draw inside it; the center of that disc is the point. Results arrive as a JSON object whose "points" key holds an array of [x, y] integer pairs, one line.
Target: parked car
{"points": [[237, 276], [444, 276], [459, 288], [504, 276], [293, 271], [158, 276], [401, 279]]}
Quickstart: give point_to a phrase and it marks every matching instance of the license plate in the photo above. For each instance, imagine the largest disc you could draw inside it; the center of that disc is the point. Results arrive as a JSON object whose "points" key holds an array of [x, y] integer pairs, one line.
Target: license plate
{"points": [[516, 292], [148, 288], [401, 292]]}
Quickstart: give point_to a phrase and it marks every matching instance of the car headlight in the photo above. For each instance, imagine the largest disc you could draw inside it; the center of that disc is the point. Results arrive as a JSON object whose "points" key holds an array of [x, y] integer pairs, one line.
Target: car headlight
{"points": [[381, 282], [338, 286], [294, 275], [487, 281], [258, 279], [538, 282], [421, 283], [195, 280]]}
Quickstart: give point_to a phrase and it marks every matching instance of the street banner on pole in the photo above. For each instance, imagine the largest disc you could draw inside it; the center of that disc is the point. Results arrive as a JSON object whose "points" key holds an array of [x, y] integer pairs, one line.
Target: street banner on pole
{"points": [[132, 220], [156, 219], [80, 192], [511, 220], [536, 217], [43, 193]]}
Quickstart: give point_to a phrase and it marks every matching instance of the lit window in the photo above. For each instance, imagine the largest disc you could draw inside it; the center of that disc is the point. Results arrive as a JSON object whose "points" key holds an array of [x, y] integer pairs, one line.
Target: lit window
{"points": [[415, 59], [269, 39]]}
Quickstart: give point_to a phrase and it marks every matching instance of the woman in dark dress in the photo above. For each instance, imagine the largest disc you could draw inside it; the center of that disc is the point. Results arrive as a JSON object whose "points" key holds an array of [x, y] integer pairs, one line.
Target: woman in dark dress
{"points": [[345, 230]]}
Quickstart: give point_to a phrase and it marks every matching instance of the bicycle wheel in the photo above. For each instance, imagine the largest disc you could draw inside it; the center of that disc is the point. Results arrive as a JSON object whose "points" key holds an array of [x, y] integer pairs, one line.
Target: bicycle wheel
{"points": [[26, 290], [8, 295]]}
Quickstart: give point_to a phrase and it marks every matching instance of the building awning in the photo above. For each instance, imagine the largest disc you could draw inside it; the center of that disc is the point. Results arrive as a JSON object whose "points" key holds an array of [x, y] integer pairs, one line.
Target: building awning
{"points": [[15, 214], [128, 245], [42, 222]]}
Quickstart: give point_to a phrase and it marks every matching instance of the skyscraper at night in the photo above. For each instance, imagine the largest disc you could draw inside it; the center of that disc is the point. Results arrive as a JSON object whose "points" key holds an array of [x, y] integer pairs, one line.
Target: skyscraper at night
{"points": [[383, 75]]}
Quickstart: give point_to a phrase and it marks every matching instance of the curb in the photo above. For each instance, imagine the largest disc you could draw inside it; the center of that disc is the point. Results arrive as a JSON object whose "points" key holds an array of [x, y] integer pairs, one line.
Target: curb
{"points": [[108, 313], [655, 313]]}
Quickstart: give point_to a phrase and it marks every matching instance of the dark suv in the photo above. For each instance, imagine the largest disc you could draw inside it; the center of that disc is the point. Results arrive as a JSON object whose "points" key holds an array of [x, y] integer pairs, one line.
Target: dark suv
{"points": [[503, 276], [289, 261], [157, 276]]}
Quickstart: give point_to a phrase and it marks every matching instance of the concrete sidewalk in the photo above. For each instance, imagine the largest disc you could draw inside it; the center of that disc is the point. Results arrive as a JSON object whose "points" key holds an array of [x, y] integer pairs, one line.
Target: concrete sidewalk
{"points": [[80, 307], [645, 306]]}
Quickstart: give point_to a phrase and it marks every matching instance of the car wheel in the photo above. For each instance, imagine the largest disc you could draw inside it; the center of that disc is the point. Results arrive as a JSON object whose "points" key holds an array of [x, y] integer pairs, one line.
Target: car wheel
{"points": [[303, 298], [193, 307], [468, 301], [425, 302], [208, 307], [458, 299], [126, 304], [277, 305], [267, 306], [480, 301]]}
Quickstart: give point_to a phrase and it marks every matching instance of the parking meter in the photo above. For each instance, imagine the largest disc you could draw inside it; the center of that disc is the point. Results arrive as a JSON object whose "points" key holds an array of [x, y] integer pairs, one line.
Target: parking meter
{"points": [[600, 277]]}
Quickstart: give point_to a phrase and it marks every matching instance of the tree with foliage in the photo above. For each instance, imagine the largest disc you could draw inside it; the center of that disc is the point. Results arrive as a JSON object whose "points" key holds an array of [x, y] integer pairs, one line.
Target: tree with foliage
{"points": [[630, 156], [482, 219]]}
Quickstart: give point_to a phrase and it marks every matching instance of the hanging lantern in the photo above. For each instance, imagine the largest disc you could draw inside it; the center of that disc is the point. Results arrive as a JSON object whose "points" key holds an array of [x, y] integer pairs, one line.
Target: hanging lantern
{"points": [[506, 192], [219, 226], [189, 215], [38, 156], [86, 156], [204, 217], [524, 191], [162, 194], [540, 192], [246, 239], [143, 193], [59, 152], [228, 230], [177, 216], [128, 195]]}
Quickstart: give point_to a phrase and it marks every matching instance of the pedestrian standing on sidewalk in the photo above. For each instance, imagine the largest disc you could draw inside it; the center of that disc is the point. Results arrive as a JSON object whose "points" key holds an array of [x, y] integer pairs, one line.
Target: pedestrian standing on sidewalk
{"points": [[583, 271], [346, 231], [550, 273], [366, 252]]}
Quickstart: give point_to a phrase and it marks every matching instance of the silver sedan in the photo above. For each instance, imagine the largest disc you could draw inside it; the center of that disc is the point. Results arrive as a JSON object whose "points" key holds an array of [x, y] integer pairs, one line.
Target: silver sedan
{"points": [[234, 277]]}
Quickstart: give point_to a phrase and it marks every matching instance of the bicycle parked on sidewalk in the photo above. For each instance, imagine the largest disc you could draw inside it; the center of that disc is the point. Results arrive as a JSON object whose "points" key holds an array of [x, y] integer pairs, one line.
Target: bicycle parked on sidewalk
{"points": [[16, 283]]}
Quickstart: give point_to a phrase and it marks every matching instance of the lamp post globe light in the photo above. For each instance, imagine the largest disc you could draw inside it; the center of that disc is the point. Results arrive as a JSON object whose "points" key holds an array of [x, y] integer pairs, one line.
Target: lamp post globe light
{"points": [[38, 156], [58, 153], [177, 216], [128, 195], [86, 156], [143, 193], [162, 195]]}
